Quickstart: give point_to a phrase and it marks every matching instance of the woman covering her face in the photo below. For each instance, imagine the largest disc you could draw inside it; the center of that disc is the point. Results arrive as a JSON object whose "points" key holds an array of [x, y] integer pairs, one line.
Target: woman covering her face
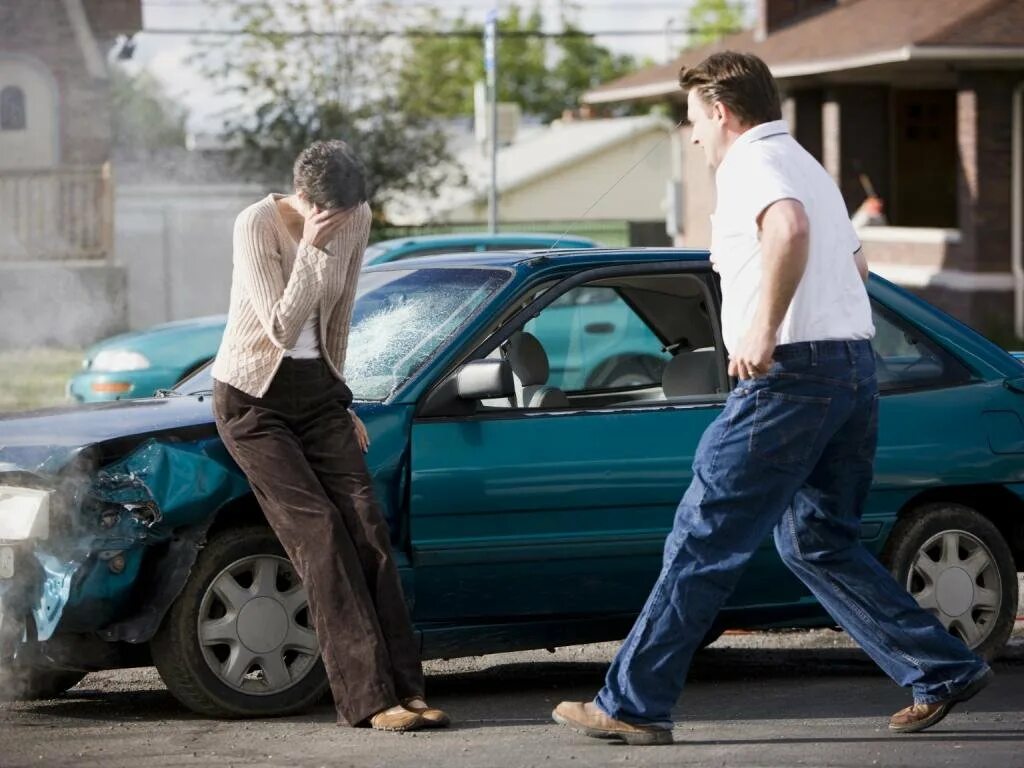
{"points": [[282, 408]]}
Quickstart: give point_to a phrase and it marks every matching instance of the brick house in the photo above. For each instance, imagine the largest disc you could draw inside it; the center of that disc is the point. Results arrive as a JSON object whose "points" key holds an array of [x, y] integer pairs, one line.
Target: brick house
{"points": [[56, 197], [924, 98]]}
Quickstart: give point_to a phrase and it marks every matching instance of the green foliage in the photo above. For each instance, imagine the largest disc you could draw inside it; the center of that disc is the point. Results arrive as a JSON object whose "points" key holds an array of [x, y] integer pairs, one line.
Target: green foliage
{"points": [[713, 19], [296, 86], [145, 119], [544, 76]]}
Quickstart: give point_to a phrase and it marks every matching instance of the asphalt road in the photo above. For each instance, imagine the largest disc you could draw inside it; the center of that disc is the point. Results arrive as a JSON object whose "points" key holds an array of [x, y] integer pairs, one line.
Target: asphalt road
{"points": [[764, 699]]}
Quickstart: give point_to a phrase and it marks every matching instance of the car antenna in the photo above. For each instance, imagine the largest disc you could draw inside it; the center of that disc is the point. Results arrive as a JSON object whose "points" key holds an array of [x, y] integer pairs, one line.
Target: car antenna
{"points": [[616, 183]]}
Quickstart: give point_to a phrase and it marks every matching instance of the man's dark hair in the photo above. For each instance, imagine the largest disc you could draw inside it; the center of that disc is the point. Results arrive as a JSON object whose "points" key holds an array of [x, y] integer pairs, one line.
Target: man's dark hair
{"points": [[330, 175], [740, 81]]}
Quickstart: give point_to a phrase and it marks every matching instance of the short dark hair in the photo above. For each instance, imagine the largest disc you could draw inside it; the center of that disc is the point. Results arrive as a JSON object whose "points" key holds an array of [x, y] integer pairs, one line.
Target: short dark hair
{"points": [[330, 175], [741, 81]]}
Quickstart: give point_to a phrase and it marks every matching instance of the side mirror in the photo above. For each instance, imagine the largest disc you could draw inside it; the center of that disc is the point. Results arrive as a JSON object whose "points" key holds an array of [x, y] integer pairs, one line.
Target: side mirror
{"points": [[460, 394], [482, 379]]}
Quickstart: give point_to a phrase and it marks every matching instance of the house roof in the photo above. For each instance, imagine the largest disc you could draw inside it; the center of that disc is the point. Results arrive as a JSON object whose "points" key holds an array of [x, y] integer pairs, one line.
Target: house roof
{"points": [[854, 34], [537, 153]]}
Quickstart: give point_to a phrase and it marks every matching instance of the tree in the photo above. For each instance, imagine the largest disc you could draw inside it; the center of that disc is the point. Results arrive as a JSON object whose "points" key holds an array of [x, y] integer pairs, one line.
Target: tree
{"points": [[295, 85], [543, 76], [145, 119], [713, 19]]}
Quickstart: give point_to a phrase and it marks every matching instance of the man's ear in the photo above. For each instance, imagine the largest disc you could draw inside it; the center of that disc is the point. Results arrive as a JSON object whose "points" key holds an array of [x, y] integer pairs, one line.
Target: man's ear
{"points": [[720, 112]]}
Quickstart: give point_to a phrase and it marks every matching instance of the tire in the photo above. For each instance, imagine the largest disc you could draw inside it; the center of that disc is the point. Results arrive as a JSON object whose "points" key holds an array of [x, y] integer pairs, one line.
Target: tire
{"points": [[36, 684], [958, 566], [260, 657]]}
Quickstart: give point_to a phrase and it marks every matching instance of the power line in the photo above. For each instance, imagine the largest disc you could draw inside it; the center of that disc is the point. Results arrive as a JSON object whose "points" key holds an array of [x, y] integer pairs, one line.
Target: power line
{"points": [[421, 33]]}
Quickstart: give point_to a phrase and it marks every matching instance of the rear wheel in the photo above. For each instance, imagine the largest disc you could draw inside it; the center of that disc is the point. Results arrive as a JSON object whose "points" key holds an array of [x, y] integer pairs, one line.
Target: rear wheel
{"points": [[958, 566], [239, 642]]}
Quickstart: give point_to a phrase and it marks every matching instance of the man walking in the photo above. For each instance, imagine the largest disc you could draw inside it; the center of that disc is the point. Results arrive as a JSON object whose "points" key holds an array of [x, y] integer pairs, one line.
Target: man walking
{"points": [[792, 450]]}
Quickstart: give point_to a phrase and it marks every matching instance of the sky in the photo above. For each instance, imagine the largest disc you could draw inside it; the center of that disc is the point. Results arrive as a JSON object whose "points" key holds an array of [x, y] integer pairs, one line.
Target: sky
{"points": [[166, 56]]}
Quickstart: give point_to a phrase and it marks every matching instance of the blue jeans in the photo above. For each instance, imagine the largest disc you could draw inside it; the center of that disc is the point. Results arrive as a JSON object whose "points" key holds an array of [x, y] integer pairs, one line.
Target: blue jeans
{"points": [[792, 452]]}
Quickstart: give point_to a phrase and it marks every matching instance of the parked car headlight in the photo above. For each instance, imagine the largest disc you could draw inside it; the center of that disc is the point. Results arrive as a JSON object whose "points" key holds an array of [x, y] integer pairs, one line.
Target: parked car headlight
{"points": [[24, 513], [119, 360]]}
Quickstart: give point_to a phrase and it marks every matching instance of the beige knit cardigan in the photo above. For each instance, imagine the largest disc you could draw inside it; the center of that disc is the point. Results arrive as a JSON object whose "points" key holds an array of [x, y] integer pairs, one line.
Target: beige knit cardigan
{"points": [[275, 284]]}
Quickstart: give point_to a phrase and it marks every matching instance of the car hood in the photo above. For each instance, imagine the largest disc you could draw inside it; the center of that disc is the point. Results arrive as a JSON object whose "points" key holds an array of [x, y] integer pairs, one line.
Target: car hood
{"points": [[45, 440], [128, 340]]}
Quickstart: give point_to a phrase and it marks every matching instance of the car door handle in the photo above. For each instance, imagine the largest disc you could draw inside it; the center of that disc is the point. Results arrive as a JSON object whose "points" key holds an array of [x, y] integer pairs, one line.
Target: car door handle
{"points": [[599, 328]]}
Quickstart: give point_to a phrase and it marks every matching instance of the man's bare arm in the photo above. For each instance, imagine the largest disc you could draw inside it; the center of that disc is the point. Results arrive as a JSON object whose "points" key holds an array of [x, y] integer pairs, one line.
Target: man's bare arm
{"points": [[785, 237]]}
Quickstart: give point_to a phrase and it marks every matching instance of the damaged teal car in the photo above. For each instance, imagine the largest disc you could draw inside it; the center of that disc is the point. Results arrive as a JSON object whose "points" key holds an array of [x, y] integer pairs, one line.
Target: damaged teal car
{"points": [[524, 513]]}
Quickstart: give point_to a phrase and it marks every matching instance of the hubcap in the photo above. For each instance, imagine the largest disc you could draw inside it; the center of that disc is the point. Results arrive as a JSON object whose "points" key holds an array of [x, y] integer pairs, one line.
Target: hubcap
{"points": [[954, 575], [254, 626]]}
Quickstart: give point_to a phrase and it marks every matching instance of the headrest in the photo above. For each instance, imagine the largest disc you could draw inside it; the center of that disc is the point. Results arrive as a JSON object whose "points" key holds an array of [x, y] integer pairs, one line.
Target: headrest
{"points": [[528, 359], [691, 373]]}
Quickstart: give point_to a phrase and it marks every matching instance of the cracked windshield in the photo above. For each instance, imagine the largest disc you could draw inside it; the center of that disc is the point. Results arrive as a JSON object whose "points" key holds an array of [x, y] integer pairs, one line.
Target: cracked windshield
{"points": [[400, 318]]}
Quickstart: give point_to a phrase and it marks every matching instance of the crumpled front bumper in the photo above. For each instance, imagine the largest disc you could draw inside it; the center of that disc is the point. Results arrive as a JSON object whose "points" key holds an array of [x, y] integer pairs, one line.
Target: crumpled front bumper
{"points": [[121, 542]]}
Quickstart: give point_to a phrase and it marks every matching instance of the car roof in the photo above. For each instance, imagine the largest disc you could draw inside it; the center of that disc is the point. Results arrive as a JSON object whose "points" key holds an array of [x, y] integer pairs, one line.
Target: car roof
{"points": [[546, 257], [542, 239]]}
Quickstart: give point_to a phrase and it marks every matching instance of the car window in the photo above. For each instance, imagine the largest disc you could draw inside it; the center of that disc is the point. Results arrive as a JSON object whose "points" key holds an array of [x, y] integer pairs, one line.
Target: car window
{"points": [[906, 359], [617, 341], [594, 340]]}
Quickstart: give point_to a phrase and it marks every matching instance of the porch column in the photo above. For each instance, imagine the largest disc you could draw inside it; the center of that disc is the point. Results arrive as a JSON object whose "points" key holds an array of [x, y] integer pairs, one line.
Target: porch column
{"points": [[855, 139]]}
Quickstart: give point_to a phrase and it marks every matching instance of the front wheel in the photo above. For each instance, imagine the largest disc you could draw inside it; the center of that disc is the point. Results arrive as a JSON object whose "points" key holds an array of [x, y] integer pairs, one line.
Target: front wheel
{"points": [[958, 566], [238, 641]]}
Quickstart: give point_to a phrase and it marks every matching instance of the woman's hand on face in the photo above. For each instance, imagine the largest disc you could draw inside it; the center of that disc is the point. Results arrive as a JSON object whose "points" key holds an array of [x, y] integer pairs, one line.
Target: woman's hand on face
{"points": [[362, 436], [320, 227]]}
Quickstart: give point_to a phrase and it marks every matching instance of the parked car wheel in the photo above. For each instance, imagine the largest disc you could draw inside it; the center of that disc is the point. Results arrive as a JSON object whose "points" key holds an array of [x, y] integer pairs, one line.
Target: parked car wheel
{"points": [[239, 641], [35, 684], [957, 565]]}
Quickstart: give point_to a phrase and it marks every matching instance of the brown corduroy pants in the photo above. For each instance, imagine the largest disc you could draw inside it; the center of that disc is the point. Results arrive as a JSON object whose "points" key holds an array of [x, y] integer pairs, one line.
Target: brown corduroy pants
{"points": [[298, 448]]}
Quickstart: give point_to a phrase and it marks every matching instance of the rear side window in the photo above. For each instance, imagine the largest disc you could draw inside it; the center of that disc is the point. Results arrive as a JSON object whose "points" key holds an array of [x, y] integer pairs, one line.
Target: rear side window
{"points": [[906, 360]]}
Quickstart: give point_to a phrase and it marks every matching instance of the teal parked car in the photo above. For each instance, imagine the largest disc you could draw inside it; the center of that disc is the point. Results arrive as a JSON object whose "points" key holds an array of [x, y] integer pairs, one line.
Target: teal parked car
{"points": [[140, 363], [523, 514]]}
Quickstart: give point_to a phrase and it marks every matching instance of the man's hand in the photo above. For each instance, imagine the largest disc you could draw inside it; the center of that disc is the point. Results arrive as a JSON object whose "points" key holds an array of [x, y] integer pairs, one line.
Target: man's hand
{"points": [[362, 436], [754, 356]]}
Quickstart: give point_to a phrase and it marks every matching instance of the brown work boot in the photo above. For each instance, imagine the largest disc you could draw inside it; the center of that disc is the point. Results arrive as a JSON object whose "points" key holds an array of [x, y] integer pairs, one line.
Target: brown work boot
{"points": [[397, 719], [917, 717], [433, 717], [588, 719]]}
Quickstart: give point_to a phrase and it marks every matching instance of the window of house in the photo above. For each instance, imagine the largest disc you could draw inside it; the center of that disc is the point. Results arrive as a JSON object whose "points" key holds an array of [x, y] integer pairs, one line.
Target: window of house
{"points": [[906, 360], [12, 109]]}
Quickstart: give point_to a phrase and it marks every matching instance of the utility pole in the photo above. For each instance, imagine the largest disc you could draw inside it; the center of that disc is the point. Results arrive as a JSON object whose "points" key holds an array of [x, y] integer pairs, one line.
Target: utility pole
{"points": [[491, 67]]}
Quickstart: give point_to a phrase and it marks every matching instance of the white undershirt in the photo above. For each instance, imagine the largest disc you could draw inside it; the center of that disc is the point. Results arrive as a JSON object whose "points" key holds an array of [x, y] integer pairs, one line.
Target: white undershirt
{"points": [[307, 347]]}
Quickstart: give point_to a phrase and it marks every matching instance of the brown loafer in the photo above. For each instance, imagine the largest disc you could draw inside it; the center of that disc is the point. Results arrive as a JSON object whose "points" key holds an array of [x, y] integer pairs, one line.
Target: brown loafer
{"points": [[917, 717], [588, 719], [432, 716], [397, 719]]}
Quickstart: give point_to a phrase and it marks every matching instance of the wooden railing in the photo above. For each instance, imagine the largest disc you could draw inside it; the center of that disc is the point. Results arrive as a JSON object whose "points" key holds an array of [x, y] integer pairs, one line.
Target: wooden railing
{"points": [[58, 214]]}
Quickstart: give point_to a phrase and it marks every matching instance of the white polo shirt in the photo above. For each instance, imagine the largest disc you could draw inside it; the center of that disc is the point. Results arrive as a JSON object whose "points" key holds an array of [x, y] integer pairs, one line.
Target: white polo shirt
{"points": [[763, 166]]}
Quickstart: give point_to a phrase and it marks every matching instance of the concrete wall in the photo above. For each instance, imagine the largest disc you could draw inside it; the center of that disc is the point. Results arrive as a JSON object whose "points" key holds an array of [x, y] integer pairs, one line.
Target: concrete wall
{"points": [[175, 244], [68, 304]]}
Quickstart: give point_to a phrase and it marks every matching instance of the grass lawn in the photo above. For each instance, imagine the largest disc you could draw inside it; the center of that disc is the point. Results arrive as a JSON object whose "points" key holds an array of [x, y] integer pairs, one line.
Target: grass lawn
{"points": [[35, 378]]}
